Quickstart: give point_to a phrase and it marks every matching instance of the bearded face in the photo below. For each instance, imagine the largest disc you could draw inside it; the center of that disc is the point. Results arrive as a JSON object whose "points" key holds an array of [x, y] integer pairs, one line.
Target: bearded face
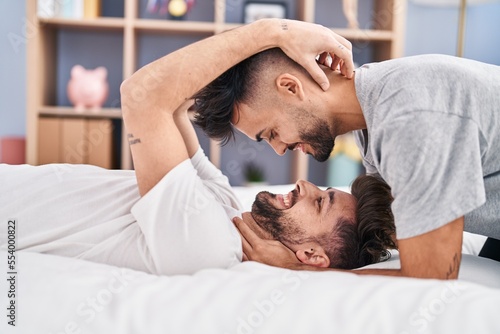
{"points": [[274, 220]]}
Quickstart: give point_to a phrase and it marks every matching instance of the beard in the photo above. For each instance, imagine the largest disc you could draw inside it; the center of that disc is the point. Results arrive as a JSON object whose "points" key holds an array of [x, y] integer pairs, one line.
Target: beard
{"points": [[319, 138], [275, 221], [316, 133]]}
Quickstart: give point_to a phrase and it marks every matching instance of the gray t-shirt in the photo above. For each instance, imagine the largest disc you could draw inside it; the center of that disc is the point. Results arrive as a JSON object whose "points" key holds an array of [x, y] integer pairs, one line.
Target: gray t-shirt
{"points": [[433, 134]]}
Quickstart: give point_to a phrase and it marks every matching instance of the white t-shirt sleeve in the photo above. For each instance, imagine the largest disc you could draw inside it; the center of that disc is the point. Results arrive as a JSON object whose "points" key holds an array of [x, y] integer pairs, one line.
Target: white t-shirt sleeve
{"points": [[214, 180], [432, 161], [185, 225]]}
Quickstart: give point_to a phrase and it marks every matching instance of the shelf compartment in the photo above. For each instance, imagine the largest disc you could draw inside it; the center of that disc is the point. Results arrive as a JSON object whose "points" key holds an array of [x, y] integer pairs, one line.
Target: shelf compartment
{"points": [[203, 11], [151, 46], [57, 111], [90, 50], [76, 141], [235, 10]]}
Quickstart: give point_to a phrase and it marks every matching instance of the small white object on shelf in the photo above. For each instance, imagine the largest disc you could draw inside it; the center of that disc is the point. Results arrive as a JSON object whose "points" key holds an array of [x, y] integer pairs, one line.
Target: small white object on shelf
{"points": [[47, 8], [73, 9]]}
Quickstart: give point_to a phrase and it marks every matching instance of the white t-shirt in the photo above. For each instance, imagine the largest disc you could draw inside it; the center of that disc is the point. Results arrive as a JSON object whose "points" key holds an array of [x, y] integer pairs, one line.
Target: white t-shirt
{"points": [[180, 226]]}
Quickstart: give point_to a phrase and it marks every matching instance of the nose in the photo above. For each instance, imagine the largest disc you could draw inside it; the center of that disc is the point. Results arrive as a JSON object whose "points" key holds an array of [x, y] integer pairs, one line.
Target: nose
{"points": [[306, 188], [279, 147]]}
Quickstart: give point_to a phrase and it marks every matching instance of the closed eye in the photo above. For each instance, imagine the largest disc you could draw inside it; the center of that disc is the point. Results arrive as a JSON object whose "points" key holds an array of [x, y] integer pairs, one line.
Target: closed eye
{"points": [[272, 135], [320, 202]]}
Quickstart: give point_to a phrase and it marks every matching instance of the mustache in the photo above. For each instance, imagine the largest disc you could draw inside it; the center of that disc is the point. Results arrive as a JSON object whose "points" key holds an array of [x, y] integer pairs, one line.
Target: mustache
{"points": [[294, 197], [266, 215]]}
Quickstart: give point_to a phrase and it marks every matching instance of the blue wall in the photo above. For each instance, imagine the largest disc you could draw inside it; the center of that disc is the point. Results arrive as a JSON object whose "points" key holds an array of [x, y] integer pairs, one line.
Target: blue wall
{"points": [[12, 68], [434, 30], [429, 30]]}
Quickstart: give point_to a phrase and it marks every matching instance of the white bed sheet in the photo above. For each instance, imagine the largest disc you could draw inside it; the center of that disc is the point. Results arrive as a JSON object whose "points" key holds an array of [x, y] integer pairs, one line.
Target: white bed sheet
{"points": [[64, 295]]}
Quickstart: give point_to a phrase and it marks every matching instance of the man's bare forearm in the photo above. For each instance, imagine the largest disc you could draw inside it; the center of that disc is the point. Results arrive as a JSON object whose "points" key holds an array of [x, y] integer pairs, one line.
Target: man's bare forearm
{"points": [[382, 272], [183, 123], [174, 78], [451, 274]]}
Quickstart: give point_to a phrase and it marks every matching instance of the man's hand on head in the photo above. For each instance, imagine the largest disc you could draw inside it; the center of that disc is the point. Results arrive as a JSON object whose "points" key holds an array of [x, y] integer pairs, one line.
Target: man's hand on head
{"points": [[271, 252], [303, 42]]}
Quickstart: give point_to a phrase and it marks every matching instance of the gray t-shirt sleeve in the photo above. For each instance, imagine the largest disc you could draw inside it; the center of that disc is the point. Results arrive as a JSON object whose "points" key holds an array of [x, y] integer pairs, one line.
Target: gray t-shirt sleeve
{"points": [[361, 142], [433, 163]]}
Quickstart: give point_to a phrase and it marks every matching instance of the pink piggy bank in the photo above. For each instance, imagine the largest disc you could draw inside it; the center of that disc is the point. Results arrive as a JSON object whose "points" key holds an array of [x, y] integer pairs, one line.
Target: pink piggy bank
{"points": [[88, 88]]}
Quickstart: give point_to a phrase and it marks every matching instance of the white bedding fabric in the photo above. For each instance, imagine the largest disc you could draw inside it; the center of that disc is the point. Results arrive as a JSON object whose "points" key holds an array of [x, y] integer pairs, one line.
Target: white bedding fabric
{"points": [[64, 295]]}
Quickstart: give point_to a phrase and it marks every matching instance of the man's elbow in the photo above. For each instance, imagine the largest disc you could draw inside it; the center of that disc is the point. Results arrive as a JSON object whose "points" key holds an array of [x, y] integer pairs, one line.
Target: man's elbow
{"points": [[125, 94], [133, 98]]}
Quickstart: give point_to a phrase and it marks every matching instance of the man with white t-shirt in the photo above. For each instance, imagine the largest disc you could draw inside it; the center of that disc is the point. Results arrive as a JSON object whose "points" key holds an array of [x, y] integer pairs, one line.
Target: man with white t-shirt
{"points": [[172, 215], [183, 224]]}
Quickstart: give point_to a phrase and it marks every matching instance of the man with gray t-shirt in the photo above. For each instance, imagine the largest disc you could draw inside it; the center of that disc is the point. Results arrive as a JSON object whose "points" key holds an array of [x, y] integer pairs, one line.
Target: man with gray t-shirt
{"points": [[433, 133], [428, 125]]}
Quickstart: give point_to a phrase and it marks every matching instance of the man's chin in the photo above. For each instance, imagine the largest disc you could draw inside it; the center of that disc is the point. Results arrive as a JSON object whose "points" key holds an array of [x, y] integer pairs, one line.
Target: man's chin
{"points": [[321, 157], [320, 154]]}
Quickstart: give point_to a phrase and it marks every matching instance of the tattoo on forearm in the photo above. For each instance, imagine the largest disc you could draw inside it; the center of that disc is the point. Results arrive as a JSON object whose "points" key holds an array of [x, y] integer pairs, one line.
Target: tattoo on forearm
{"points": [[454, 266], [284, 25], [132, 140]]}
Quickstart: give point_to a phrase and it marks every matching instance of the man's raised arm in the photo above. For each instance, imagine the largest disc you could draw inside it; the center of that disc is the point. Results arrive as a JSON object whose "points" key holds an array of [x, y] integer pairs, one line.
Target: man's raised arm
{"points": [[151, 96]]}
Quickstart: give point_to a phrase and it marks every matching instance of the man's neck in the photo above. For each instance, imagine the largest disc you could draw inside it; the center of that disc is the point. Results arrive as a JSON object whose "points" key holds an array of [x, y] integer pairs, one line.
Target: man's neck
{"points": [[342, 103]]}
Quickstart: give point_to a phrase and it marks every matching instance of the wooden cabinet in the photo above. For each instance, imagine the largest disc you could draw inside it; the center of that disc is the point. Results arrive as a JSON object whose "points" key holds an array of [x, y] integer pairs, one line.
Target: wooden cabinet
{"points": [[75, 140], [55, 131]]}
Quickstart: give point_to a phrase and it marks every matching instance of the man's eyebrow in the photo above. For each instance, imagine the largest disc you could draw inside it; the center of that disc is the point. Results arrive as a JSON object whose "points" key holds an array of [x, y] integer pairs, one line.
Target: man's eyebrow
{"points": [[258, 137], [330, 195]]}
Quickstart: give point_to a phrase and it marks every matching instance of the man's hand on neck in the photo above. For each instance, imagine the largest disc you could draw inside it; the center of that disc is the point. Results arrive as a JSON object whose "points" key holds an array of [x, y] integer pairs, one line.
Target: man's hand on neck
{"points": [[252, 224]]}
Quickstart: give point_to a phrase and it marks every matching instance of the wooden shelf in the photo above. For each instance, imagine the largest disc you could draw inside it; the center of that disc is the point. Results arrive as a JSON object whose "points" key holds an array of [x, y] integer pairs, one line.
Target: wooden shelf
{"points": [[113, 113], [386, 42], [112, 23], [191, 27], [353, 34], [365, 34]]}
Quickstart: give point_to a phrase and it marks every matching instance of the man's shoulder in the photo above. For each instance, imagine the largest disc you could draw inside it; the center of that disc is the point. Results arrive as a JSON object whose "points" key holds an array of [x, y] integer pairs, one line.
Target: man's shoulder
{"points": [[417, 60]]}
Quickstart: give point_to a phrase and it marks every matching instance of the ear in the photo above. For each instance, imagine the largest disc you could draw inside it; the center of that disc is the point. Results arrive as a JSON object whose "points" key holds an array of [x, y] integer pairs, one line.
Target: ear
{"points": [[290, 85], [76, 71], [313, 256], [101, 72]]}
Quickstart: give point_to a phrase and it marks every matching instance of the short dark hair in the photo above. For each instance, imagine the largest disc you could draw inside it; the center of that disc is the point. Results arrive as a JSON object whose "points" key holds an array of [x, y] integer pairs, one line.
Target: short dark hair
{"points": [[215, 103], [367, 241]]}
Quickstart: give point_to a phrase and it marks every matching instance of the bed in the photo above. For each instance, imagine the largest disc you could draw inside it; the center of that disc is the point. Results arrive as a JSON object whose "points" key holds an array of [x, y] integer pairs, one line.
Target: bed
{"points": [[63, 295]]}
